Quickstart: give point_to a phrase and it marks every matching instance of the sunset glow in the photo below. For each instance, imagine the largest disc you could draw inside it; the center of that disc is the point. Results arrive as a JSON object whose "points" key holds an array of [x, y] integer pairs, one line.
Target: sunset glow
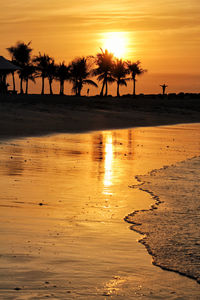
{"points": [[116, 43], [164, 36]]}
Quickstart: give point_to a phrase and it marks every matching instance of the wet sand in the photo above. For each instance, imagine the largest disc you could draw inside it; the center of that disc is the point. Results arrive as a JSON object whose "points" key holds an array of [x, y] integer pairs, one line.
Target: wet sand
{"points": [[63, 200]]}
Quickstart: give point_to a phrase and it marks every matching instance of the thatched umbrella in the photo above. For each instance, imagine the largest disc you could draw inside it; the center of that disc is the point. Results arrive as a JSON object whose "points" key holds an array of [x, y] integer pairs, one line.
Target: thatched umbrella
{"points": [[6, 67]]}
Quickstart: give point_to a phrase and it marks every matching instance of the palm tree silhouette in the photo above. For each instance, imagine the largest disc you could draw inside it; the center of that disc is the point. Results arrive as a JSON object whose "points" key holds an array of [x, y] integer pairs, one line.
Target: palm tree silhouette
{"points": [[135, 69], [119, 73], [62, 74], [51, 74], [79, 74], [104, 62], [11, 51], [21, 55], [28, 73], [42, 66]]}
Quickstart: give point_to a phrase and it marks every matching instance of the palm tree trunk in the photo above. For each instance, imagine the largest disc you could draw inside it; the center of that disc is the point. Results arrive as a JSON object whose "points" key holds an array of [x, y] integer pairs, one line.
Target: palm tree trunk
{"points": [[21, 86], [61, 87], [13, 79], [80, 86], [102, 89], [42, 92], [134, 86], [78, 91], [106, 92], [118, 95], [50, 86], [76, 88], [26, 86]]}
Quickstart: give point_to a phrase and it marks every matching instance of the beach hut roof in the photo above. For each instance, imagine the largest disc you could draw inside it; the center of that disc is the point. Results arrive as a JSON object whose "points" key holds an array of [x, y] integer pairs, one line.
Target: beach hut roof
{"points": [[6, 65]]}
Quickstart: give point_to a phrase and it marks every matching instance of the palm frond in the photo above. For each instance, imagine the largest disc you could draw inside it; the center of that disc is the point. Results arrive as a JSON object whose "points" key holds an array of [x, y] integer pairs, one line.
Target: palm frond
{"points": [[122, 82], [90, 82], [111, 79], [101, 77]]}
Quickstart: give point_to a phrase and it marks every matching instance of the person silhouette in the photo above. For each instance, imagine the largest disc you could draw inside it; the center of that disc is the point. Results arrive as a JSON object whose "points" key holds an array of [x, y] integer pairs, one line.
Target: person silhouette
{"points": [[88, 92], [163, 87]]}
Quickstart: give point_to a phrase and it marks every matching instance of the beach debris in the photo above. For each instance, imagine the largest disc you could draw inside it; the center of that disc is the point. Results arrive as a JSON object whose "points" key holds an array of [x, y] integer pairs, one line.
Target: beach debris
{"points": [[106, 294]]}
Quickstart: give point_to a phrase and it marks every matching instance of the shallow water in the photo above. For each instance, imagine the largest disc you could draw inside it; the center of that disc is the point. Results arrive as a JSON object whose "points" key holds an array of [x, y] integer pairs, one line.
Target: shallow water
{"points": [[63, 199], [172, 231]]}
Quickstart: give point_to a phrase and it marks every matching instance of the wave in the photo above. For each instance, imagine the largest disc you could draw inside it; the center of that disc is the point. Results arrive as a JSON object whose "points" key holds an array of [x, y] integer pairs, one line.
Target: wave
{"points": [[171, 226]]}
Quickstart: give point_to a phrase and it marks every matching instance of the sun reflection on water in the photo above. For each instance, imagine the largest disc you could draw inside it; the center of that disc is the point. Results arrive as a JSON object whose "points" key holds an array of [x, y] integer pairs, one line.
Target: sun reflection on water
{"points": [[108, 163], [114, 286]]}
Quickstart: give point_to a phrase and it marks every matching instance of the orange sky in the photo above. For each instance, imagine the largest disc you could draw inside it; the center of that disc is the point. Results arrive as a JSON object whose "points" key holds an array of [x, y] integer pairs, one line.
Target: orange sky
{"points": [[164, 35]]}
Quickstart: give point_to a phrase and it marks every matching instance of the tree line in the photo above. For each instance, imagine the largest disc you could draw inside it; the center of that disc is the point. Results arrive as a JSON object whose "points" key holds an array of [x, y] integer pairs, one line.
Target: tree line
{"points": [[104, 66]]}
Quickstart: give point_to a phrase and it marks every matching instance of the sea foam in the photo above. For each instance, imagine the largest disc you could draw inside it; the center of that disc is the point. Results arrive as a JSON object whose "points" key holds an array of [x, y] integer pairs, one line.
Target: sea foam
{"points": [[171, 232]]}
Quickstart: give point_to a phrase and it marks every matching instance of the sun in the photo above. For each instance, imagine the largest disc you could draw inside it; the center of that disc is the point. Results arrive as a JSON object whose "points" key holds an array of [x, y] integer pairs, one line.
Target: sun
{"points": [[116, 43]]}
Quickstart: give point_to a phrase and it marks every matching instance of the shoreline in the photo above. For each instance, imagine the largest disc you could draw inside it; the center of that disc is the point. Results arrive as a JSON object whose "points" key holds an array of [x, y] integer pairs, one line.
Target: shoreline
{"points": [[35, 115], [137, 226]]}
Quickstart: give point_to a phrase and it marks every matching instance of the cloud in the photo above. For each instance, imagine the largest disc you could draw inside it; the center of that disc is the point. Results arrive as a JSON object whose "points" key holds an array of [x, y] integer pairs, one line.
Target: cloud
{"points": [[92, 16]]}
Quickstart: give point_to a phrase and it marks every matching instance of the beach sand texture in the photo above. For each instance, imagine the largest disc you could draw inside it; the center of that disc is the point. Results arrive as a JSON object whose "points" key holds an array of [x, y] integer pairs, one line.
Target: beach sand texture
{"points": [[63, 200], [28, 115]]}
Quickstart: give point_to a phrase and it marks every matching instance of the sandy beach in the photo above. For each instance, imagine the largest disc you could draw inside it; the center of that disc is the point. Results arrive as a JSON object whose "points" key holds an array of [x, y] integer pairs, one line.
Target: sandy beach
{"points": [[25, 115], [66, 181]]}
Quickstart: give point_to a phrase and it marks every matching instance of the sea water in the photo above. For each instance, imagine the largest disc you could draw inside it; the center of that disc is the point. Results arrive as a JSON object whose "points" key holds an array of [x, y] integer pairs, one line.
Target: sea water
{"points": [[172, 226]]}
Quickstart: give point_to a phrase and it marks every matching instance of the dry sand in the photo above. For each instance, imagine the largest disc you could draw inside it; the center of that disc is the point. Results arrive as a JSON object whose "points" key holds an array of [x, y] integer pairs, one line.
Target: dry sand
{"points": [[23, 115]]}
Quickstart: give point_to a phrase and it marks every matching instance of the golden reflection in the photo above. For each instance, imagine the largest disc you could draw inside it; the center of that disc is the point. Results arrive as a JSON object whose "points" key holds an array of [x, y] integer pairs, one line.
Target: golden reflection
{"points": [[108, 161], [97, 147], [116, 43], [114, 286]]}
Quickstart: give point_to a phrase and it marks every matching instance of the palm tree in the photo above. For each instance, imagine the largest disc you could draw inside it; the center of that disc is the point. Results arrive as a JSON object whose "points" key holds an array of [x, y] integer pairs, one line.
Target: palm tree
{"points": [[135, 69], [62, 74], [119, 73], [21, 55], [11, 51], [28, 73], [43, 63], [51, 74], [79, 74], [104, 62]]}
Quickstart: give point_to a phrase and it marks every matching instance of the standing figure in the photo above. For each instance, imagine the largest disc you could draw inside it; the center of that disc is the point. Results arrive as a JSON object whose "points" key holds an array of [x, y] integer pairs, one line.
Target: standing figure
{"points": [[88, 91], [163, 87]]}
